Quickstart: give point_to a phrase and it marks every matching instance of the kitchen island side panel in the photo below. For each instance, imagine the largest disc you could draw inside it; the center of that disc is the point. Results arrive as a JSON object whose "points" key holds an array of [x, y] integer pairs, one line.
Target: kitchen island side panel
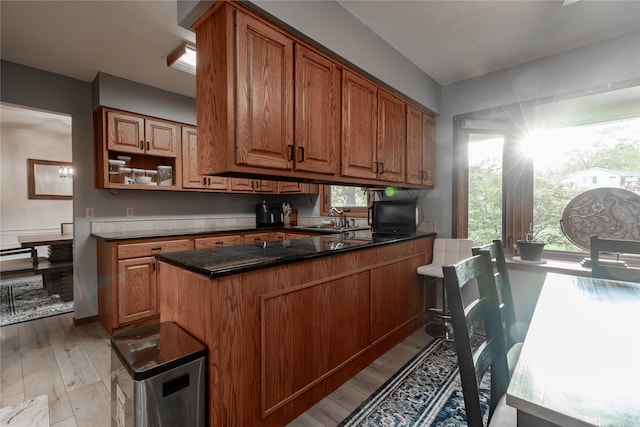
{"points": [[312, 317]]}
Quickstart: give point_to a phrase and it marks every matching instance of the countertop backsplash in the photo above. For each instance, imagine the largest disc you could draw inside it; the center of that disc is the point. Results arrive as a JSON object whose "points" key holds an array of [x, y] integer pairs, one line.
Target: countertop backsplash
{"points": [[151, 224]]}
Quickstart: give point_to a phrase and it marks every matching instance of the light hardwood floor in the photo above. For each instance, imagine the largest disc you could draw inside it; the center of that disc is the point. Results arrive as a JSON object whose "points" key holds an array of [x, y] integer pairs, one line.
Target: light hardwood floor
{"points": [[72, 364]]}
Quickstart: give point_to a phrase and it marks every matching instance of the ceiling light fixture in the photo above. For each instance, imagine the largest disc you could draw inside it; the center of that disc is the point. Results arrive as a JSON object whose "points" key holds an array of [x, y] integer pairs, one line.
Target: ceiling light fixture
{"points": [[183, 58]]}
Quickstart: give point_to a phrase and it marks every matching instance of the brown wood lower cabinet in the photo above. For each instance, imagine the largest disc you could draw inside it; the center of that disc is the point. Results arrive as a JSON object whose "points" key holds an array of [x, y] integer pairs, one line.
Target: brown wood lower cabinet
{"points": [[265, 236], [127, 290], [282, 338], [217, 241]]}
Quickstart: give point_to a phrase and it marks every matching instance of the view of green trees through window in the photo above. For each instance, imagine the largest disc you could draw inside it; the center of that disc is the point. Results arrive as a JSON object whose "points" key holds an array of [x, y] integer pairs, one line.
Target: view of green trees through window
{"points": [[567, 162], [345, 196], [485, 187]]}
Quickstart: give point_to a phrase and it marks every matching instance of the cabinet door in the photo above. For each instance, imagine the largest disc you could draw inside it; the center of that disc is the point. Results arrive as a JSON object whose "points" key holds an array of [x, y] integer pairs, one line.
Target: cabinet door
{"points": [[290, 187], [125, 132], [420, 161], [414, 145], [266, 186], [264, 99], [317, 112], [391, 140], [190, 176], [244, 185], [161, 138], [259, 237], [218, 241], [428, 151], [219, 183], [359, 126], [137, 289]]}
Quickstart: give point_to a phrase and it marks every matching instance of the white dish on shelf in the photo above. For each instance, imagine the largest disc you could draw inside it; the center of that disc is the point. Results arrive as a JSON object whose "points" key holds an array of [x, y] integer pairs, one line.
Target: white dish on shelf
{"points": [[143, 180]]}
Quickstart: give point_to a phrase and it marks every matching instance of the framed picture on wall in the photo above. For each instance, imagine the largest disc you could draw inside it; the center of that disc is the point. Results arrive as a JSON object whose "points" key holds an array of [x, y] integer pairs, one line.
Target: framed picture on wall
{"points": [[47, 179]]}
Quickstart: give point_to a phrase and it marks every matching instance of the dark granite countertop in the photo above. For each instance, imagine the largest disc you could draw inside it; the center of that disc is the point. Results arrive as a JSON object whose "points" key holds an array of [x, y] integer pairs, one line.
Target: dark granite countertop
{"points": [[218, 262]]}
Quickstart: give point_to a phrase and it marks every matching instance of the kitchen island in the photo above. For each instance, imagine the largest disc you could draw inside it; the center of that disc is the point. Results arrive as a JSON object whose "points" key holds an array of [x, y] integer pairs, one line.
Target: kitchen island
{"points": [[287, 322]]}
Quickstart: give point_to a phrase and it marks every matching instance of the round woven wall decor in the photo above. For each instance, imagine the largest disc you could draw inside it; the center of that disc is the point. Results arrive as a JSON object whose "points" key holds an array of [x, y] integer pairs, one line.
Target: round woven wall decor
{"points": [[609, 213]]}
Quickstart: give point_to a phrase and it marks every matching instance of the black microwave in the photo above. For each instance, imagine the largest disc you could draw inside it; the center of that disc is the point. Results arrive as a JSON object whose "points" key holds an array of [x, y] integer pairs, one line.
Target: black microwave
{"points": [[393, 217]]}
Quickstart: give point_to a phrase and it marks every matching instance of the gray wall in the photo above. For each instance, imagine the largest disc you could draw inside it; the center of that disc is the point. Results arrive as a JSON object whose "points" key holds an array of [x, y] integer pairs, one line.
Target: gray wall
{"points": [[583, 71], [38, 89]]}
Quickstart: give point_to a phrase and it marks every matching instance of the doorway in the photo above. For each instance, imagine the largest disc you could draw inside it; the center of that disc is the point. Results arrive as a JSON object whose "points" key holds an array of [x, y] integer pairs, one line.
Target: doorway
{"points": [[34, 142]]}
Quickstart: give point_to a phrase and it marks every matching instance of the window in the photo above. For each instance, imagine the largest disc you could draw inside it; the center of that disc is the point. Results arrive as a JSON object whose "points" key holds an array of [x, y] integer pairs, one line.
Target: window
{"points": [[485, 186], [508, 181], [355, 199], [607, 152]]}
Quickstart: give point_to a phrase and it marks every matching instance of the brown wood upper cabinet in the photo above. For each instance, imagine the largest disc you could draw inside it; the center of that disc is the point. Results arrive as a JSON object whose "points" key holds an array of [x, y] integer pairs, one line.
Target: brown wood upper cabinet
{"points": [[373, 131], [265, 95], [391, 142], [248, 185], [420, 150], [136, 134], [317, 112], [190, 177], [262, 139], [271, 106]]}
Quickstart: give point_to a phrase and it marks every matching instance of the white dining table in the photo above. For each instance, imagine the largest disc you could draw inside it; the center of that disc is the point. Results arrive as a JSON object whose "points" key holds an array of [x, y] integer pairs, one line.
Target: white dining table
{"points": [[580, 362]]}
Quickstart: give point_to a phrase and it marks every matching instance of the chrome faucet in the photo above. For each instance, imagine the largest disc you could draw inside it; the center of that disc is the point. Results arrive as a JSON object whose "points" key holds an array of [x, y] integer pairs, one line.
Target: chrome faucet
{"points": [[342, 221]]}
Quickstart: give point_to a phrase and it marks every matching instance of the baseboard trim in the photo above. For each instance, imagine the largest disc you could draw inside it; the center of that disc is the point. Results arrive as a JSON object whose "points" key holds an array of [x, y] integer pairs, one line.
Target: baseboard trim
{"points": [[84, 320]]}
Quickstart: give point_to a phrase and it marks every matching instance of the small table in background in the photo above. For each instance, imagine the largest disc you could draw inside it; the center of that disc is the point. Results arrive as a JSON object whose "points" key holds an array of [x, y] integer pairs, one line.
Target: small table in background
{"points": [[57, 273]]}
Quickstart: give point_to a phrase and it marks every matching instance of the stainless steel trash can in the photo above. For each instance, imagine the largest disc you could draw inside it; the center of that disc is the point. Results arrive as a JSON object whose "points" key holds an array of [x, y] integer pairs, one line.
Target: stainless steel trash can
{"points": [[158, 378]]}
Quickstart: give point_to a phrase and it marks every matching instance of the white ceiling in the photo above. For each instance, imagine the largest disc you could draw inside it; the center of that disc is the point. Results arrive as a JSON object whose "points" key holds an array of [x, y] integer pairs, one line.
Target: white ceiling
{"points": [[449, 40], [456, 40]]}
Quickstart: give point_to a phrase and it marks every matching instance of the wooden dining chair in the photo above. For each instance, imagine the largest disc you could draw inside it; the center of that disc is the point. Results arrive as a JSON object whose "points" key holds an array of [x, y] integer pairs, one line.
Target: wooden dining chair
{"points": [[610, 269], [66, 227], [481, 317], [505, 298]]}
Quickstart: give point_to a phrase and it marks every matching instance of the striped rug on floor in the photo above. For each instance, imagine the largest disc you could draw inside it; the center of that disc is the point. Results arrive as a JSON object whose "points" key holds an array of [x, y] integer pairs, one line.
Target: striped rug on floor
{"points": [[425, 392]]}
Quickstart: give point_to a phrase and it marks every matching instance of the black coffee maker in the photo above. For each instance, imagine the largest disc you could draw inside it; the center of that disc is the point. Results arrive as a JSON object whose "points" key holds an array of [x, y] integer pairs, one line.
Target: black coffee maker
{"points": [[269, 215]]}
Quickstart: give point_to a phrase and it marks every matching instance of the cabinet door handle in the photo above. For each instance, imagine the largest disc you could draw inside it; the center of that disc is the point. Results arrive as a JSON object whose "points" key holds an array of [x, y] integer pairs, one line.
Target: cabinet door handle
{"points": [[156, 249], [153, 266], [301, 154], [142, 145], [219, 243], [375, 167], [148, 145], [381, 168], [290, 146]]}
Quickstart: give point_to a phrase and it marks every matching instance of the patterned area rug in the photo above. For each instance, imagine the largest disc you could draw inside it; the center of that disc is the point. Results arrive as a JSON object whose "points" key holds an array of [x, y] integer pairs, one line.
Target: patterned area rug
{"points": [[425, 392], [24, 298]]}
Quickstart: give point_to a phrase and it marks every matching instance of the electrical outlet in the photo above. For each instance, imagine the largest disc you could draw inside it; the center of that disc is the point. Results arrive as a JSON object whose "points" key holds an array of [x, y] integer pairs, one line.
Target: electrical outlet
{"points": [[89, 213], [129, 212]]}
